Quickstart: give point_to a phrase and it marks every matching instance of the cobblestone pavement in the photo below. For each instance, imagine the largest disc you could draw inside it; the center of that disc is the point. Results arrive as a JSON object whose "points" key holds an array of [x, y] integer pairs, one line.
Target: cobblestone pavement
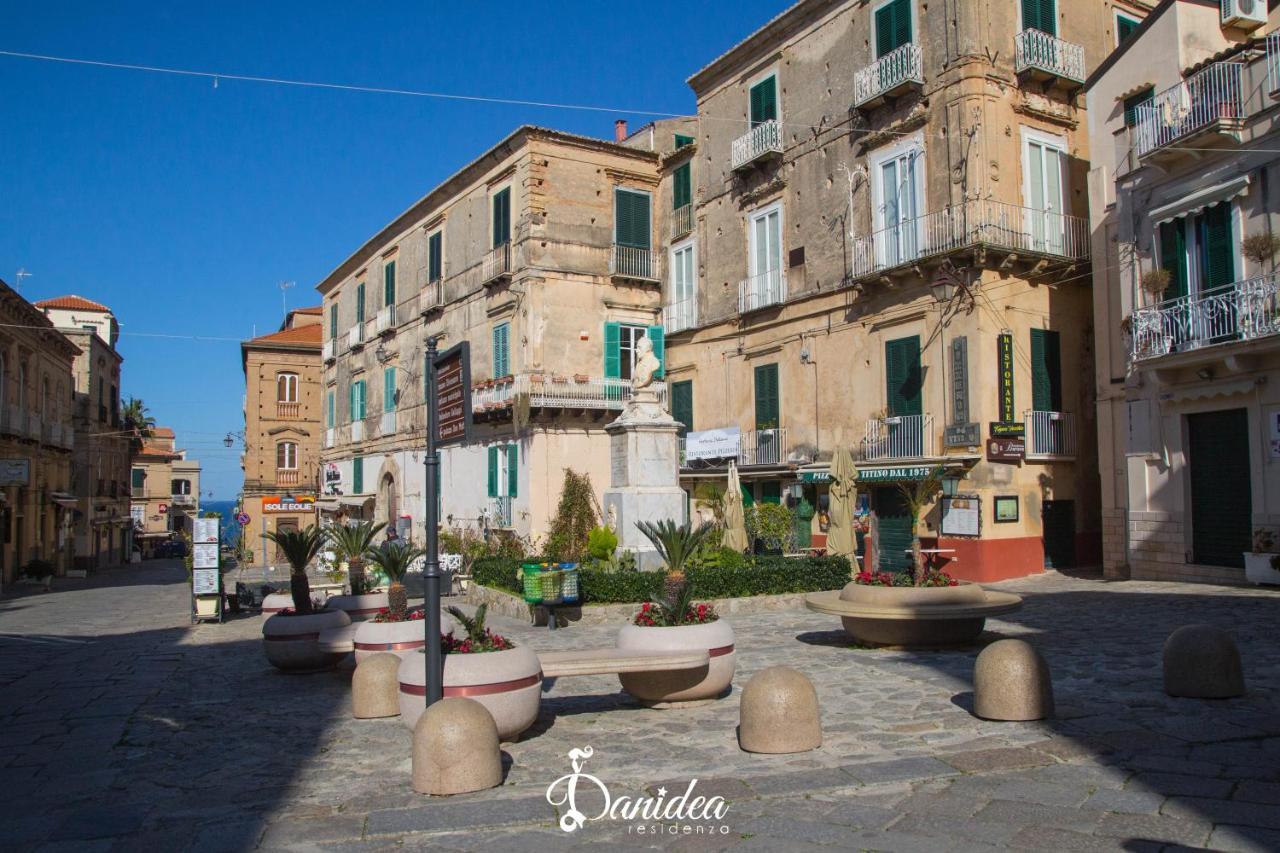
{"points": [[124, 728]]}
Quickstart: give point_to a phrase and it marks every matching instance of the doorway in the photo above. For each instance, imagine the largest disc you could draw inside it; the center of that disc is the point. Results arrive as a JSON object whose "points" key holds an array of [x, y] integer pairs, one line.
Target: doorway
{"points": [[1221, 500], [893, 522], [1058, 531]]}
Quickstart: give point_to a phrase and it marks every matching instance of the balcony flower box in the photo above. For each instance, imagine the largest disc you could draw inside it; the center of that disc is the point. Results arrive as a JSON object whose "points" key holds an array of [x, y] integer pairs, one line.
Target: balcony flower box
{"points": [[581, 378], [560, 380]]}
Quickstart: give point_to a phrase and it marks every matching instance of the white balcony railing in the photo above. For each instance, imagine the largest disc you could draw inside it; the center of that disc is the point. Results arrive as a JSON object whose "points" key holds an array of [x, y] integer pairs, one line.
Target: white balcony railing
{"points": [[630, 262], [386, 320], [387, 425], [898, 437], [431, 296], [681, 221], [760, 291], [898, 68], [1208, 97], [979, 221], [1244, 310], [762, 140], [328, 351], [330, 436], [1038, 51], [1051, 435], [355, 336], [496, 263], [678, 316], [501, 512], [357, 431], [288, 476], [557, 392], [1273, 62], [184, 500], [763, 447]]}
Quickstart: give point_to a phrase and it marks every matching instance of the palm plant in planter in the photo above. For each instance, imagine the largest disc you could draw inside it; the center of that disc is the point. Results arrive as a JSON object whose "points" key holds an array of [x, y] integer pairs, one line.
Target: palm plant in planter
{"points": [[291, 636], [394, 628], [300, 548], [352, 543], [394, 559]]}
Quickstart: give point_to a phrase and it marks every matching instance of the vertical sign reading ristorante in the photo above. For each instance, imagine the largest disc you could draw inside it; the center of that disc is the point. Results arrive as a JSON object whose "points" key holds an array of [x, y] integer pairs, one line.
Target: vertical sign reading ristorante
{"points": [[1008, 424], [453, 394]]}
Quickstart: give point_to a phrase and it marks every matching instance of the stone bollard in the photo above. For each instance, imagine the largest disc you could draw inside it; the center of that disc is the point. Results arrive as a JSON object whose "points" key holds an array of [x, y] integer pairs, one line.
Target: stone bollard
{"points": [[1011, 681], [1202, 662], [455, 749], [779, 713], [375, 687]]}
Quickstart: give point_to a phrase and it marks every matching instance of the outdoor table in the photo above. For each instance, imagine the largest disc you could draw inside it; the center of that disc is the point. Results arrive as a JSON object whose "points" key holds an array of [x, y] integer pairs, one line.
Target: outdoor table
{"points": [[931, 555]]}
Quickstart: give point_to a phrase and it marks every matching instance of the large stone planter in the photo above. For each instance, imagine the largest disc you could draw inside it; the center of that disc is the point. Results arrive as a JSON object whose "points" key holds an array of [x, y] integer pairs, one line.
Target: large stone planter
{"points": [[507, 683], [399, 638], [359, 607], [913, 616], [277, 601], [290, 642], [1257, 568], [681, 686]]}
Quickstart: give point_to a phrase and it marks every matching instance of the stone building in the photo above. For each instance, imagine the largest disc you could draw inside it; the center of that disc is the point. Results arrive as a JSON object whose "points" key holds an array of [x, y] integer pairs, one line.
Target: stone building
{"points": [[36, 439], [101, 524], [540, 256], [1183, 196], [164, 492], [282, 414], [877, 239]]}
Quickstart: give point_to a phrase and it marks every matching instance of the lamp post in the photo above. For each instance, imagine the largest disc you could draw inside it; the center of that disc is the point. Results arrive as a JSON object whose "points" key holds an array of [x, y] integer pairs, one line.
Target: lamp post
{"points": [[431, 571]]}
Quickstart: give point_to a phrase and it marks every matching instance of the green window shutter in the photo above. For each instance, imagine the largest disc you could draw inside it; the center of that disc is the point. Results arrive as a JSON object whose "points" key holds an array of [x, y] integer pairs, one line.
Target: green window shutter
{"points": [[771, 492], [764, 101], [1046, 371], [612, 350], [357, 475], [766, 380], [493, 472], [435, 256], [333, 322], [513, 469], [1132, 103], [501, 350], [351, 402], [659, 349], [682, 404], [631, 218], [389, 284], [893, 26], [1173, 257], [748, 496], [1040, 15], [1125, 27], [331, 410], [903, 376], [502, 217], [1219, 265], [682, 141], [358, 407], [139, 478], [682, 186], [360, 303], [389, 390]]}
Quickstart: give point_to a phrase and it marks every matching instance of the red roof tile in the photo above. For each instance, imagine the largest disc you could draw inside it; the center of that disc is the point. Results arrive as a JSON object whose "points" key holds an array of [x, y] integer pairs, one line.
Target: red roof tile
{"points": [[71, 302], [311, 334], [314, 309]]}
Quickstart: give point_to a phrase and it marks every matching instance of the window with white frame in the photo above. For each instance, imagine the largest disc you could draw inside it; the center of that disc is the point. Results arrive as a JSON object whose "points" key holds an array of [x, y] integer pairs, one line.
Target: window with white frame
{"points": [[628, 340], [1044, 169], [897, 178], [682, 299], [287, 456], [764, 236], [287, 388]]}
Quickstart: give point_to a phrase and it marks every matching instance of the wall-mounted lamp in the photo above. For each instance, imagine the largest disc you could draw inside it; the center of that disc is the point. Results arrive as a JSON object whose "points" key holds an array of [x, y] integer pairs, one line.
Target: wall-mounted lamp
{"points": [[381, 354], [951, 483]]}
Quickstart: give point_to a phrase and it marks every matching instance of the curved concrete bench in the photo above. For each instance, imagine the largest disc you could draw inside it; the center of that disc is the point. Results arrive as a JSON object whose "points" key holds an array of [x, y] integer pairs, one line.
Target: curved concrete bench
{"points": [[616, 661]]}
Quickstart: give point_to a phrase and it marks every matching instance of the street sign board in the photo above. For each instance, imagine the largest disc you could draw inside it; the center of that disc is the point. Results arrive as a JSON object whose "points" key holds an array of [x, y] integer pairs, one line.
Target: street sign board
{"points": [[204, 555], [894, 474], [15, 472], [1006, 449], [287, 503], [204, 581], [712, 443], [1004, 429], [453, 394], [962, 435], [242, 519], [204, 530]]}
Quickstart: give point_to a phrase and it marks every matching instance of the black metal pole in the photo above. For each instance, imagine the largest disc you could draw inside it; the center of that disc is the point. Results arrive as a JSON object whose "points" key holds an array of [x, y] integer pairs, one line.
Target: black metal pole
{"points": [[431, 571]]}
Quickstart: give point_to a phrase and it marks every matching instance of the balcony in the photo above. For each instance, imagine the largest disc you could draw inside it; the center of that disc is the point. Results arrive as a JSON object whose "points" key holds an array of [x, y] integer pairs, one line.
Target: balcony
{"points": [[678, 316], [288, 411], [763, 447], [357, 431], [1050, 436], [385, 322], [387, 424], [1207, 106], [328, 351], [501, 512], [681, 221], [1242, 311], [355, 336], [1273, 64], [288, 477], [496, 265], [760, 291], [1040, 56], [330, 436], [632, 263], [585, 393], [895, 74], [430, 298], [898, 437], [980, 222], [761, 142], [182, 500]]}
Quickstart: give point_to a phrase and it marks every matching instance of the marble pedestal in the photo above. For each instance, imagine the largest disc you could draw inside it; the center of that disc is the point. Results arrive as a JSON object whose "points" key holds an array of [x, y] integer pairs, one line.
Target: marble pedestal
{"points": [[644, 475]]}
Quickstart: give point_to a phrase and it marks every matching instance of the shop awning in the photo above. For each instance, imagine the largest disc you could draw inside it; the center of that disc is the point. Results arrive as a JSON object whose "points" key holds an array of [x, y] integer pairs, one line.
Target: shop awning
{"points": [[1208, 392], [356, 501], [1200, 199], [64, 500]]}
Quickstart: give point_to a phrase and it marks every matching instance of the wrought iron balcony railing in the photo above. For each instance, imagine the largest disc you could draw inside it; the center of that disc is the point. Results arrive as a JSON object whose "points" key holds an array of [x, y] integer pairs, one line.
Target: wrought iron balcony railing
{"points": [[1050, 435], [496, 263], [1038, 51], [1241, 311], [891, 74], [385, 321], [1209, 97], [763, 140], [898, 437], [678, 316], [761, 291], [681, 221], [631, 262], [763, 447]]}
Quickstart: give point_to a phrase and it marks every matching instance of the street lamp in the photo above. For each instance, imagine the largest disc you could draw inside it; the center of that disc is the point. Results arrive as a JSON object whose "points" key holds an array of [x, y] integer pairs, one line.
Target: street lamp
{"points": [[228, 441], [951, 483]]}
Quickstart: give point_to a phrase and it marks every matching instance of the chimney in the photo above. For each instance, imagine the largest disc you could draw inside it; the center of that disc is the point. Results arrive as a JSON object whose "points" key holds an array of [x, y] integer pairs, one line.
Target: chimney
{"points": [[620, 130]]}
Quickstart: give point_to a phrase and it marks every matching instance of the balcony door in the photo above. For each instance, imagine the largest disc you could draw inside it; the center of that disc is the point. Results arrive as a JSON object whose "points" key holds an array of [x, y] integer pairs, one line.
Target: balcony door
{"points": [[898, 209], [681, 298], [893, 26], [764, 101], [1045, 167], [1199, 252], [1040, 15], [766, 256], [904, 382]]}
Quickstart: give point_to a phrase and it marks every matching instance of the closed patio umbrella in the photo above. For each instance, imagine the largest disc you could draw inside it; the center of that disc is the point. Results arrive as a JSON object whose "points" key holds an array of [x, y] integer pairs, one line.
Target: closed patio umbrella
{"points": [[735, 523], [841, 538]]}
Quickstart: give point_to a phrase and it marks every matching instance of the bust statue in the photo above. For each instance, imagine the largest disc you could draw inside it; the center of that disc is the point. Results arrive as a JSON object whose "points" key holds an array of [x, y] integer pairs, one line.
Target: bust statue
{"points": [[647, 364]]}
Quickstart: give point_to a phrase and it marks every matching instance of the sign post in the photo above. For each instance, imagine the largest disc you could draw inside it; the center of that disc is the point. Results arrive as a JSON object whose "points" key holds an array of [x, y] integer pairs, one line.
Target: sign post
{"points": [[206, 571]]}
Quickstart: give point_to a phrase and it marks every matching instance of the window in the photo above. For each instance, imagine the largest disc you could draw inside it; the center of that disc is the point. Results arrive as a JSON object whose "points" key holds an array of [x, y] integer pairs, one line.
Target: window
{"points": [[620, 343], [1198, 251], [331, 410], [287, 456], [765, 259], [1040, 15], [287, 388], [1046, 371], [22, 387], [904, 377], [682, 141], [1045, 166], [389, 284], [46, 411], [179, 487], [358, 400], [1132, 103], [389, 389], [766, 376], [357, 475], [502, 217], [682, 186], [1125, 27], [503, 470], [435, 256], [360, 304], [333, 321], [139, 480], [631, 218], [501, 350], [764, 101], [897, 193], [682, 404], [681, 296], [893, 26]]}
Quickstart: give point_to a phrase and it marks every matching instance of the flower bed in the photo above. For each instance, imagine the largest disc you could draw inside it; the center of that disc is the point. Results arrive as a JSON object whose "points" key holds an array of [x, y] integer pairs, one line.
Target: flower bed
{"points": [[933, 578]]}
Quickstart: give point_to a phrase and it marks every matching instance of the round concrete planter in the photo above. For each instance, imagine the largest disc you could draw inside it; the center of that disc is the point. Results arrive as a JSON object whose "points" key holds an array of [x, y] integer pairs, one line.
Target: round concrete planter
{"points": [[910, 616], [507, 683], [359, 607], [682, 686], [399, 638], [290, 642], [277, 601]]}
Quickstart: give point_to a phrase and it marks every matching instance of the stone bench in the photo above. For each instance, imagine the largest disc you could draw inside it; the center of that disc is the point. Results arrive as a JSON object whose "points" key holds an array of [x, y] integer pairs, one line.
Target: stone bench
{"points": [[617, 661]]}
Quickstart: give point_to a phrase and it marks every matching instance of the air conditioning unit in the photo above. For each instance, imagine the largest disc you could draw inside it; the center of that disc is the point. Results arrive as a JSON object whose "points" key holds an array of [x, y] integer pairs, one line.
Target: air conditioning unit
{"points": [[1244, 14]]}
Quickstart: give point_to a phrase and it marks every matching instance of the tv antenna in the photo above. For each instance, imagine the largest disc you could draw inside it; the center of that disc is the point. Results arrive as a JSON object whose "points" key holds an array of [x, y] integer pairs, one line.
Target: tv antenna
{"points": [[284, 294], [22, 273]]}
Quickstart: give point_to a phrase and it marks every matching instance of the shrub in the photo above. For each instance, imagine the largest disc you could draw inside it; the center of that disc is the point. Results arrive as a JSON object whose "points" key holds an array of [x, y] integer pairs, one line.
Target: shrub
{"points": [[576, 516], [771, 525], [601, 543]]}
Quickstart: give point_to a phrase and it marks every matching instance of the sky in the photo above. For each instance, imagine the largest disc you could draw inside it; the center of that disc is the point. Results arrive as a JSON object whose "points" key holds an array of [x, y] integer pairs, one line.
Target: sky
{"points": [[183, 205]]}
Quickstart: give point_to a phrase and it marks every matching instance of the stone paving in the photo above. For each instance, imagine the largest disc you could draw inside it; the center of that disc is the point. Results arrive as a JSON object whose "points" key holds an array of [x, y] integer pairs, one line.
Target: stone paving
{"points": [[124, 728]]}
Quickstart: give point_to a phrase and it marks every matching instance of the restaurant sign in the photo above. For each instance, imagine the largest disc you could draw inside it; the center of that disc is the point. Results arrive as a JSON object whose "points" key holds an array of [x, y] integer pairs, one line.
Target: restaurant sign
{"points": [[815, 476], [288, 503], [1006, 449], [713, 444], [1004, 376], [890, 475], [453, 394]]}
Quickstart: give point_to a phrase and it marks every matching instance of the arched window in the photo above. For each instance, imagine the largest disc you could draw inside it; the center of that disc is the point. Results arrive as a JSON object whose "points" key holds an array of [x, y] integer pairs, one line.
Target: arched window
{"points": [[287, 456], [287, 388]]}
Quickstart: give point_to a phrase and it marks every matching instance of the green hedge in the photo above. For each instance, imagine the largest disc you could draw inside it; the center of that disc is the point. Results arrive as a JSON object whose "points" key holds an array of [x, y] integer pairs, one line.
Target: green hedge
{"points": [[758, 576]]}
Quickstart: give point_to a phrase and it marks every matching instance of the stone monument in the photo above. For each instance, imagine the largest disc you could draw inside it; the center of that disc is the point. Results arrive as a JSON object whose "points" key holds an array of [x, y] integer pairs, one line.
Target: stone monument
{"points": [[644, 460]]}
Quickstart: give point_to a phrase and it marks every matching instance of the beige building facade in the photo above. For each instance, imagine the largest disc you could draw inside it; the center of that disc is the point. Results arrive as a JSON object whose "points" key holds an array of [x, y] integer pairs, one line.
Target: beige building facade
{"points": [[282, 429], [1183, 187], [164, 492]]}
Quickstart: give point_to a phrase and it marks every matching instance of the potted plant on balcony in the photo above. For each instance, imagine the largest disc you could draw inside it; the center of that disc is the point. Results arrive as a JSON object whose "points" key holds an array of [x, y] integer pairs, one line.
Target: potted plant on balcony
{"points": [[481, 665], [290, 636], [394, 628], [1261, 249], [1262, 564], [1156, 282], [352, 544], [675, 623]]}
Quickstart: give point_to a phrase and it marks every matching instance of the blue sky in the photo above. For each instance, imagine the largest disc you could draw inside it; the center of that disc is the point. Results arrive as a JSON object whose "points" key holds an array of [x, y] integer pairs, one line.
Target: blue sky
{"points": [[183, 206]]}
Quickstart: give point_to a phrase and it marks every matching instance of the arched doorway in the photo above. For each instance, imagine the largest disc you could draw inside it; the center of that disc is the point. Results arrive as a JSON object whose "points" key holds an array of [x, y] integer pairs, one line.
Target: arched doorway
{"points": [[388, 505]]}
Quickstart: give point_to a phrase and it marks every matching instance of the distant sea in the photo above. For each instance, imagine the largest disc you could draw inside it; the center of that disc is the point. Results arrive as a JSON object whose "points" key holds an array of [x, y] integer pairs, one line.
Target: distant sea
{"points": [[229, 529]]}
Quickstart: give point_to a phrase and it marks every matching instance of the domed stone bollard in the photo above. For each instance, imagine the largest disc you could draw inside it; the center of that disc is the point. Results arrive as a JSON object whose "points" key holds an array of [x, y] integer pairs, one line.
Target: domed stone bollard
{"points": [[779, 713], [375, 687], [1202, 662], [455, 748], [1011, 681]]}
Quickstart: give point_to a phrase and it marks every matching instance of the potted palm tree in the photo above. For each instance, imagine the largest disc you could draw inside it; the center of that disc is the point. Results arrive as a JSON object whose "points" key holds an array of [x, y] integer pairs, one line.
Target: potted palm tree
{"points": [[352, 544], [394, 628], [481, 665], [290, 636], [675, 623]]}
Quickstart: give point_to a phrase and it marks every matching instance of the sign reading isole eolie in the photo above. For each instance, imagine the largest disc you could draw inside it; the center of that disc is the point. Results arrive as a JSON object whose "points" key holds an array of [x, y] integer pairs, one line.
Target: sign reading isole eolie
{"points": [[453, 394]]}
